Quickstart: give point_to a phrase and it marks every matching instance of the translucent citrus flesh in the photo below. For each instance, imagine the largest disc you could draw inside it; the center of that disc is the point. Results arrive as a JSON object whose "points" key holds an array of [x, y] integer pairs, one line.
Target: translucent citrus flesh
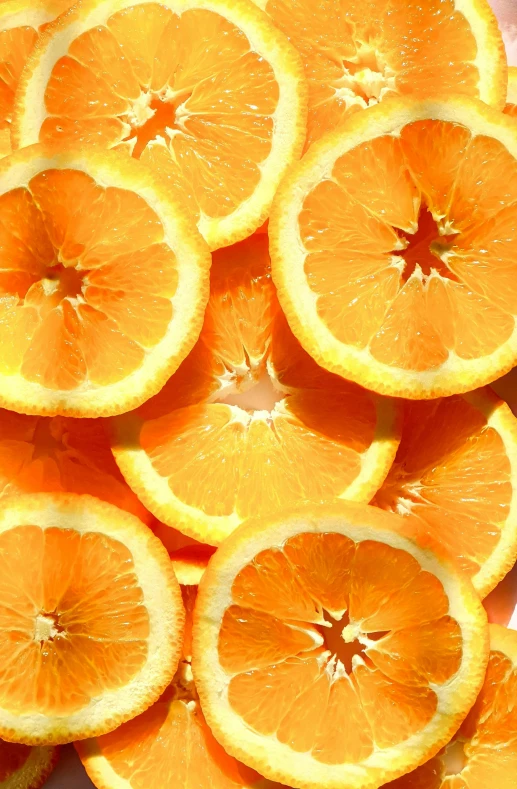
{"points": [[488, 739], [16, 44], [85, 279], [40, 454], [12, 758], [171, 743], [411, 247], [333, 646], [439, 480], [66, 599], [358, 53], [224, 458], [186, 94]]}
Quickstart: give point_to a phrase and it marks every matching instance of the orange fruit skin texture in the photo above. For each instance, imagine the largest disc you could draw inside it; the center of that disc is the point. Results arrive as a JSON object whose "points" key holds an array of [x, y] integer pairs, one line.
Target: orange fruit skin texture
{"points": [[79, 630], [50, 454], [405, 280], [357, 53], [283, 703], [170, 745], [187, 93], [453, 479], [23, 767], [487, 737], [219, 462]]}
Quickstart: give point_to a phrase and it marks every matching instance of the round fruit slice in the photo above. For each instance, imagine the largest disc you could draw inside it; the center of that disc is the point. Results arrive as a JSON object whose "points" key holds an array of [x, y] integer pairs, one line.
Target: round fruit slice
{"points": [[455, 479], [483, 753], [358, 53], [22, 767], [21, 22], [209, 93], [50, 454], [329, 650], [170, 745], [250, 422], [91, 618], [511, 96], [103, 283], [394, 247]]}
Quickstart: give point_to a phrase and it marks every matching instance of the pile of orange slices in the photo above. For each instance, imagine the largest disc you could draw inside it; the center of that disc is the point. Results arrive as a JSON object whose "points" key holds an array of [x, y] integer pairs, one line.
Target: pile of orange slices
{"points": [[258, 394]]}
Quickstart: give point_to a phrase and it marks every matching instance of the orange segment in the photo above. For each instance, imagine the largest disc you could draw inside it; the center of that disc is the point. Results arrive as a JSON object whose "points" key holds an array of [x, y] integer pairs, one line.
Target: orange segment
{"points": [[170, 743], [404, 280], [45, 454], [357, 54], [332, 678], [212, 96], [440, 483], [249, 422], [76, 593], [484, 751], [24, 767], [103, 283]]}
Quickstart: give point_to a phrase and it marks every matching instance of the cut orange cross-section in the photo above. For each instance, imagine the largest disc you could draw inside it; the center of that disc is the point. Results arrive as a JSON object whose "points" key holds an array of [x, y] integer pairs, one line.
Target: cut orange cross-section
{"points": [[483, 754], [249, 422], [50, 454], [209, 93], [357, 53], [511, 96], [455, 479], [91, 618], [394, 247], [170, 745], [23, 767], [329, 650], [103, 283], [21, 22]]}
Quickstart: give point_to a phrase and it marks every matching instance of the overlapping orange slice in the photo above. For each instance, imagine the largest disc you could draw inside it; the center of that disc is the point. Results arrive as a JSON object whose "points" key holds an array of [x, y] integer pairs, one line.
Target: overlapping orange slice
{"points": [[211, 94], [249, 422], [394, 247], [329, 650], [23, 767]]}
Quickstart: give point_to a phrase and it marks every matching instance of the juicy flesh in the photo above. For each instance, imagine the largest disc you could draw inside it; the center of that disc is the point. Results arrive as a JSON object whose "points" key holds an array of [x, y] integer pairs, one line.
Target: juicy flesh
{"points": [[66, 598], [291, 677], [439, 480], [249, 420], [50, 454], [16, 45], [86, 281], [171, 744], [357, 53], [186, 94], [484, 752], [411, 248]]}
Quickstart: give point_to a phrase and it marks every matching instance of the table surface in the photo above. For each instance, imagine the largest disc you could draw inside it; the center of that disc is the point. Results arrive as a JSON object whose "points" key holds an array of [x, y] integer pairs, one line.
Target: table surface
{"points": [[502, 604]]}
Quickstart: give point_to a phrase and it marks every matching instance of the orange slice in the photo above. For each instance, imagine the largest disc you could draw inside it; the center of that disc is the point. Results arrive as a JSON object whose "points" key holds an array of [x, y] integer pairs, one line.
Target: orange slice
{"points": [[357, 54], [329, 650], [511, 96], [90, 614], [21, 22], [103, 283], [394, 247], [22, 767], [455, 479], [483, 754], [506, 387], [170, 745], [208, 93], [50, 454], [249, 422]]}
